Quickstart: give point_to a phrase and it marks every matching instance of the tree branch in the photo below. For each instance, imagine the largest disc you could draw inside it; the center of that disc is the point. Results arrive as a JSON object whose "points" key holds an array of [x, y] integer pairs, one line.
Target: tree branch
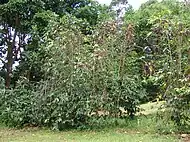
{"points": [[2, 61]]}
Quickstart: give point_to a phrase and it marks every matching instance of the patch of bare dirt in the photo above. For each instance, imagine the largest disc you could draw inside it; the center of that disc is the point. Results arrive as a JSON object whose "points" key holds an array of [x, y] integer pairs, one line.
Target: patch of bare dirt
{"points": [[185, 137]]}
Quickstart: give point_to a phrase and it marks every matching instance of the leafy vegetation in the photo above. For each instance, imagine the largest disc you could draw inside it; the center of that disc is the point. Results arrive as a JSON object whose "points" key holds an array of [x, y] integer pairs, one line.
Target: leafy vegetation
{"points": [[165, 36], [77, 64], [141, 129]]}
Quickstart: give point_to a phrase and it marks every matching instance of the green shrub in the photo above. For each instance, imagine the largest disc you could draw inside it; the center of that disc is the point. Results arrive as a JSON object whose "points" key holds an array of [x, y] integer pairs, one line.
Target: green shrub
{"points": [[126, 95], [61, 108], [17, 106], [80, 80], [153, 86], [2, 93], [179, 104]]}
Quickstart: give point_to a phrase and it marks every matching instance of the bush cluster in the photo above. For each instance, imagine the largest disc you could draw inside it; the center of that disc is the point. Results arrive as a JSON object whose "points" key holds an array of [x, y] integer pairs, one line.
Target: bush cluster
{"points": [[179, 104], [84, 79]]}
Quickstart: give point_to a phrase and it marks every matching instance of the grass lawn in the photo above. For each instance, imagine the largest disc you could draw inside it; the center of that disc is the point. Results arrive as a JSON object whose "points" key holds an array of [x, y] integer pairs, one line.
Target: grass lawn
{"points": [[116, 135], [141, 129]]}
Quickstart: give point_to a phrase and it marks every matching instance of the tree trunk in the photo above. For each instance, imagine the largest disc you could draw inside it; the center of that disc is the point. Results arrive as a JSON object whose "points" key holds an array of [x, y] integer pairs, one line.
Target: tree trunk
{"points": [[11, 46], [10, 60], [9, 67]]}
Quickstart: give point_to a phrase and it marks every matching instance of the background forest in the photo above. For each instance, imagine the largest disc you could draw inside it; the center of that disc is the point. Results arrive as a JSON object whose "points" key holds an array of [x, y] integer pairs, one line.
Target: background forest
{"points": [[71, 64]]}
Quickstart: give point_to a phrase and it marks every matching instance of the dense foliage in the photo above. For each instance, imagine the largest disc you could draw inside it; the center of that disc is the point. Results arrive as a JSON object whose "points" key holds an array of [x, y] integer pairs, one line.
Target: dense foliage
{"points": [[79, 81], [87, 61], [162, 32]]}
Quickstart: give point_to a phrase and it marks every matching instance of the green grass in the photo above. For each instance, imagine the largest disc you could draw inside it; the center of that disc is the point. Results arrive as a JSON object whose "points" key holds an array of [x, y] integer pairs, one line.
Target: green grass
{"points": [[116, 135], [141, 129]]}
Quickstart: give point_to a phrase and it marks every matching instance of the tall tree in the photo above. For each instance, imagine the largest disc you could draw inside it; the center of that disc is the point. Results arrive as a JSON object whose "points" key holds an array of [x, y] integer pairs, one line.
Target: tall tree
{"points": [[18, 18], [15, 23]]}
